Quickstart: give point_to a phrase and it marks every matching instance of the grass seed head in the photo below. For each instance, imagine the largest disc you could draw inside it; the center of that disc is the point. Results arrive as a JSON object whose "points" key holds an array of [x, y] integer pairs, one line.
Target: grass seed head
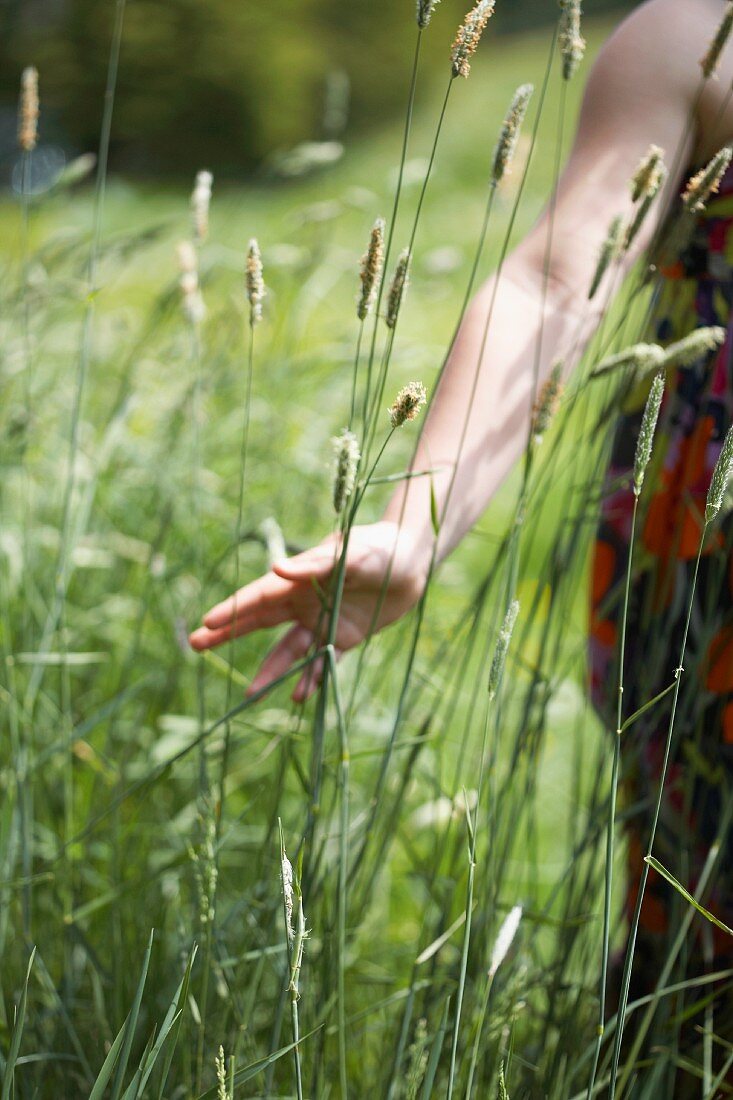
{"points": [[254, 282], [709, 63], [425, 9], [28, 109], [286, 872], [371, 270], [547, 404], [346, 462], [642, 357], [641, 211], [707, 181], [572, 43], [502, 1091], [501, 649], [193, 303], [721, 477], [646, 432], [610, 250], [397, 289], [695, 346], [274, 540], [468, 37], [649, 176], [222, 1092], [407, 404], [200, 201], [507, 143], [505, 939]]}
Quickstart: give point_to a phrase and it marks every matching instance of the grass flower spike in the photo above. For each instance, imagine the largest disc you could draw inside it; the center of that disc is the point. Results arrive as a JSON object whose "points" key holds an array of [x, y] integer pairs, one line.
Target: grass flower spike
{"points": [[371, 269], [193, 303], [647, 183], [496, 671], [646, 432], [547, 404], [572, 43], [469, 35], [286, 871], [707, 181], [407, 404], [255, 283], [642, 357], [200, 201], [397, 288], [507, 143], [425, 9], [721, 477], [648, 177], [505, 939], [694, 346], [709, 63], [346, 457], [222, 1092], [610, 249], [28, 110]]}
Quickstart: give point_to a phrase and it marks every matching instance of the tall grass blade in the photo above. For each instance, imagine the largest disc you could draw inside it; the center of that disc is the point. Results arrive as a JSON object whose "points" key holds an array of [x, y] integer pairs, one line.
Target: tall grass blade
{"points": [[131, 1024], [8, 1073]]}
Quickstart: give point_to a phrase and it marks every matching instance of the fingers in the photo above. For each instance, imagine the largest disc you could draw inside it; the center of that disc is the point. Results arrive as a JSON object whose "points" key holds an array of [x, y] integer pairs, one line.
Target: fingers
{"points": [[317, 563], [264, 602], [290, 649]]}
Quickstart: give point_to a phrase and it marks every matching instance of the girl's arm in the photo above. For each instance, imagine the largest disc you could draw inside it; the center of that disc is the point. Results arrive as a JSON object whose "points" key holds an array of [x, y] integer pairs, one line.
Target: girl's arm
{"points": [[641, 91]]}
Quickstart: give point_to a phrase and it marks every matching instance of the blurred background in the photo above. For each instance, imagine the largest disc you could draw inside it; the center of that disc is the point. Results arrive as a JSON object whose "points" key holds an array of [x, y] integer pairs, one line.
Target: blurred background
{"points": [[230, 85]]}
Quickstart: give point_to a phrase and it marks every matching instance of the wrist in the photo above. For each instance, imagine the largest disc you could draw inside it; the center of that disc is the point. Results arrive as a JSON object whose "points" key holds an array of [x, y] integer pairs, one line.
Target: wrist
{"points": [[414, 545]]}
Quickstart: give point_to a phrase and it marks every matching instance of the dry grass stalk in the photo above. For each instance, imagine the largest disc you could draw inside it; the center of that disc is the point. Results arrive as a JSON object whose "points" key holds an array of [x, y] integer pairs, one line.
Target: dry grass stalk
{"points": [[648, 177], [707, 181], [610, 249], [468, 37], [502, 648], [572, 43], [193, 303], [425, 9], [709, 63], [505, 939], [28, 109], [200, 202], [507, 143], [721, 477], [647, 430], [254, 282], [547, 404], [694, 346], [397, 289], [371, 270], [407, 404], [346, 456]]}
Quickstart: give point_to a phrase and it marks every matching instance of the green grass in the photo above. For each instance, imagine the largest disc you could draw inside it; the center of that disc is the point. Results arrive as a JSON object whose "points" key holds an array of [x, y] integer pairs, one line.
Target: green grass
{"points": [[104, 827]]}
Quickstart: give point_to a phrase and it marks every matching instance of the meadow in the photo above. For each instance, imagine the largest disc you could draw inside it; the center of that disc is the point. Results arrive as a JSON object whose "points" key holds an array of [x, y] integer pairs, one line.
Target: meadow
{"points": [[151, 461]]}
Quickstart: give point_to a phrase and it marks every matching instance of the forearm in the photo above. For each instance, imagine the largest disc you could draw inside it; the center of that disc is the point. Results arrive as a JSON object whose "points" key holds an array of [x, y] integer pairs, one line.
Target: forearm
{"points": [[480, 417]]}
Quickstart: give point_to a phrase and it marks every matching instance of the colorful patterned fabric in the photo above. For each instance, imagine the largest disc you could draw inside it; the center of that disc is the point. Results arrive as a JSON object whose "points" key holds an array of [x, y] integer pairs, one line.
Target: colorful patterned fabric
{"points": [[696, 290]]}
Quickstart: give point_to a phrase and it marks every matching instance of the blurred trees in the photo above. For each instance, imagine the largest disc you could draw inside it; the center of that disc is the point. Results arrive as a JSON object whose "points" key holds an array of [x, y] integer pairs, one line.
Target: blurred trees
{"points": [[224, 83]]}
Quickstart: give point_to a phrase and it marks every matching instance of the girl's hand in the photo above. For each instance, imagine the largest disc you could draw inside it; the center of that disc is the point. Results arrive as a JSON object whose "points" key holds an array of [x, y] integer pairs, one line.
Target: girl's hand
{"points": [[294, 590]]}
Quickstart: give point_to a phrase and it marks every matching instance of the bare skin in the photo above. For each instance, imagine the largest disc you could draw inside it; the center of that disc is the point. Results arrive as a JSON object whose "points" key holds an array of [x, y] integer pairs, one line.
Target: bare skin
{"points": [[645, 87]]}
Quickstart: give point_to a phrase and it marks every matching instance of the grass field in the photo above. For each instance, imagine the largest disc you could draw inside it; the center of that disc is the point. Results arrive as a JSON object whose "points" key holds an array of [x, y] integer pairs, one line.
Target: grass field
{"points": [[108, 822]]}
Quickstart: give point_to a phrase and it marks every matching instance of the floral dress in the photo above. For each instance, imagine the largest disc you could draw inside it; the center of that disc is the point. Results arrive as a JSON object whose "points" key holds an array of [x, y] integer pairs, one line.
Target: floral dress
{"points": [[696, 290]]}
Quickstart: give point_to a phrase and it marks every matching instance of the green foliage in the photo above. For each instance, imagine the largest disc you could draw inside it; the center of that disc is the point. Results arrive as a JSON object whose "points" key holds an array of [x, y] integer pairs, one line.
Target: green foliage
{"points": [[225, 84]]}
